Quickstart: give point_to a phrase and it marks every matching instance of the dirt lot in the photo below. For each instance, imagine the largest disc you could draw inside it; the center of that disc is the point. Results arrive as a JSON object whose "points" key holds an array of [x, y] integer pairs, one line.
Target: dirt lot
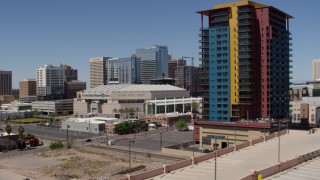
{"points": [[70, 163]]}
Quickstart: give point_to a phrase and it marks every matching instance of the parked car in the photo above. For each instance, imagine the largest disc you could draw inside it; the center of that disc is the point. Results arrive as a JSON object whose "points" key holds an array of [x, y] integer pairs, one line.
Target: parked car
{"points": [[34, 142], [88, 140], [204, 150]]}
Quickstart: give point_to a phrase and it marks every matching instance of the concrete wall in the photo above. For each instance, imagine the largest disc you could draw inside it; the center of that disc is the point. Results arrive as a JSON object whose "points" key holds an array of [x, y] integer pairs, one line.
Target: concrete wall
{"points": [[81, 108], [178, 165], [178, 152], [147, 174], [256, 141]]}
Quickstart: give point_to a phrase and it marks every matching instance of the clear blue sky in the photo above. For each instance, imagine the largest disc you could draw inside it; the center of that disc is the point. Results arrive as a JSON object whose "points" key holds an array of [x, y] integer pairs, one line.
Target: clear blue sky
{"points": [[38, 32]]}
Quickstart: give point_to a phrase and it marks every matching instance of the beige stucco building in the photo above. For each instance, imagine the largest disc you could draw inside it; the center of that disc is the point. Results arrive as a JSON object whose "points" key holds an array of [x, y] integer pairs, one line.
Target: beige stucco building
{"points": [[105, 100], [228, 134]]}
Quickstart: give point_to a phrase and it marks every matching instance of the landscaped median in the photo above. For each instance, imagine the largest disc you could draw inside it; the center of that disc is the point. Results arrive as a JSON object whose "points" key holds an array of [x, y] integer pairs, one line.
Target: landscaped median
{"points": [[26, 120]]}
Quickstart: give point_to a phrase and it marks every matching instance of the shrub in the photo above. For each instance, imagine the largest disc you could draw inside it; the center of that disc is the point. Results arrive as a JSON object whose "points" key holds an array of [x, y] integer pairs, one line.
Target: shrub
{"points": [[56, 145], [181, 124]]}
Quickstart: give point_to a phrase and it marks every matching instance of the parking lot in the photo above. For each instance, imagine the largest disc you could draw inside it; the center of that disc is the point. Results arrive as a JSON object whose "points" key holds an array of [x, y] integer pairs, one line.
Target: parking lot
{"points": [[153, 141]]}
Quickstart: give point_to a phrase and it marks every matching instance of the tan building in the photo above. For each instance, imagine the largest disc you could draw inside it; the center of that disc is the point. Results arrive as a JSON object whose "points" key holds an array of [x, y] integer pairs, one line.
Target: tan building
{"points": [[5, 82], [110, 98], [98, 74], [316, 69], [228, 134], [27, 87]]}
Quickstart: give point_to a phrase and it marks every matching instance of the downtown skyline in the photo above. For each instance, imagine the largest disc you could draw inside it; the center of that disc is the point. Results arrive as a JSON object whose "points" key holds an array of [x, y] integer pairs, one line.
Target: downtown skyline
{"points": [[37, 33]]}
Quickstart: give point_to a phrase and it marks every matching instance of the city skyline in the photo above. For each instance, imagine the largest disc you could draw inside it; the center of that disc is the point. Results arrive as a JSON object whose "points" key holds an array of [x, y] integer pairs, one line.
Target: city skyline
{"points": [[37, 33]]}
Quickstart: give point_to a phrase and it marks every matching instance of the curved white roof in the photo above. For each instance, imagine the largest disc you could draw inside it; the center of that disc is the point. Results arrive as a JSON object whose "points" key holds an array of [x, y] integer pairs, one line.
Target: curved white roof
{"points": [[134, 87]]}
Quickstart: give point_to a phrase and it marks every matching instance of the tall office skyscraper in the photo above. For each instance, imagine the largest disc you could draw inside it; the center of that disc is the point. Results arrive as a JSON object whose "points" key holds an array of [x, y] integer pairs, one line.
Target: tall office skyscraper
{"points": [[70, 74], [245, 62], [123, 71], [154, 62], [50, 82], [98, 74], [5, 82], [316, 69]]}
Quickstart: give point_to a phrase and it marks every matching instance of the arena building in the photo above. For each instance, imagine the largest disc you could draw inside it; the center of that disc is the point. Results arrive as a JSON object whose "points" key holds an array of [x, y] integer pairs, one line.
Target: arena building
{"points": [[117, 100]]}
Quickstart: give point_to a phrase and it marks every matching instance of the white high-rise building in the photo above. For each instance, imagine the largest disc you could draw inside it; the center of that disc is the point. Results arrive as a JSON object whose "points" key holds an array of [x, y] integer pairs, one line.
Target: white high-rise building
{"points": [[50, 81], [154, 62], [316, 69]]}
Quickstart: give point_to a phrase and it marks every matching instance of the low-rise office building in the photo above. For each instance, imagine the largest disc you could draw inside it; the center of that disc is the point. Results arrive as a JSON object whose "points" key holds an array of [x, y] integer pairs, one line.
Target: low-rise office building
{"points": [[227, 134], [56, 106], [84, 125]]}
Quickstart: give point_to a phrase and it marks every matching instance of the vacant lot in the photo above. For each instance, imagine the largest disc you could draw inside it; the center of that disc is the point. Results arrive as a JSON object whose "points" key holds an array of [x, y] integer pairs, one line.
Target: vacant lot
{"points": [[70, 163]]}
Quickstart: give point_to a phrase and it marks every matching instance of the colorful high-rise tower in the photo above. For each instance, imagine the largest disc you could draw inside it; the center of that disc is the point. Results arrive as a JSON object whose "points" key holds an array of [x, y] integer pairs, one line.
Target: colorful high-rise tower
{"points": [[245, 51]]}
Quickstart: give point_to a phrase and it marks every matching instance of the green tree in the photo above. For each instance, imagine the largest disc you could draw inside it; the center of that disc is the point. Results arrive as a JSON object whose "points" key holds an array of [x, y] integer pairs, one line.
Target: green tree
{"points": [[65, 113], [181, 124], [125, 127], [21, 131], [36, 113], [8, 129]]}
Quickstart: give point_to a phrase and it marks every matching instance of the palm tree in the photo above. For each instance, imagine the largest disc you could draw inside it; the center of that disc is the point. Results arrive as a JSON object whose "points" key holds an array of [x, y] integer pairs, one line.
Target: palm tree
{"points": [[8, 129], [121, 111], [115, 111], [21, 131], [131, 111], [137, 111], [126, 110], [194, 106]]}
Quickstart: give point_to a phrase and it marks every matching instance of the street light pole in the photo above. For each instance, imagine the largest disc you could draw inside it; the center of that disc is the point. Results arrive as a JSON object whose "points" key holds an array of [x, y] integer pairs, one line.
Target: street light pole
{"points": [[130, 156], [235, 133], [160, 140], [67, 135], [279, 141], [215, 158], [193, 142]]}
